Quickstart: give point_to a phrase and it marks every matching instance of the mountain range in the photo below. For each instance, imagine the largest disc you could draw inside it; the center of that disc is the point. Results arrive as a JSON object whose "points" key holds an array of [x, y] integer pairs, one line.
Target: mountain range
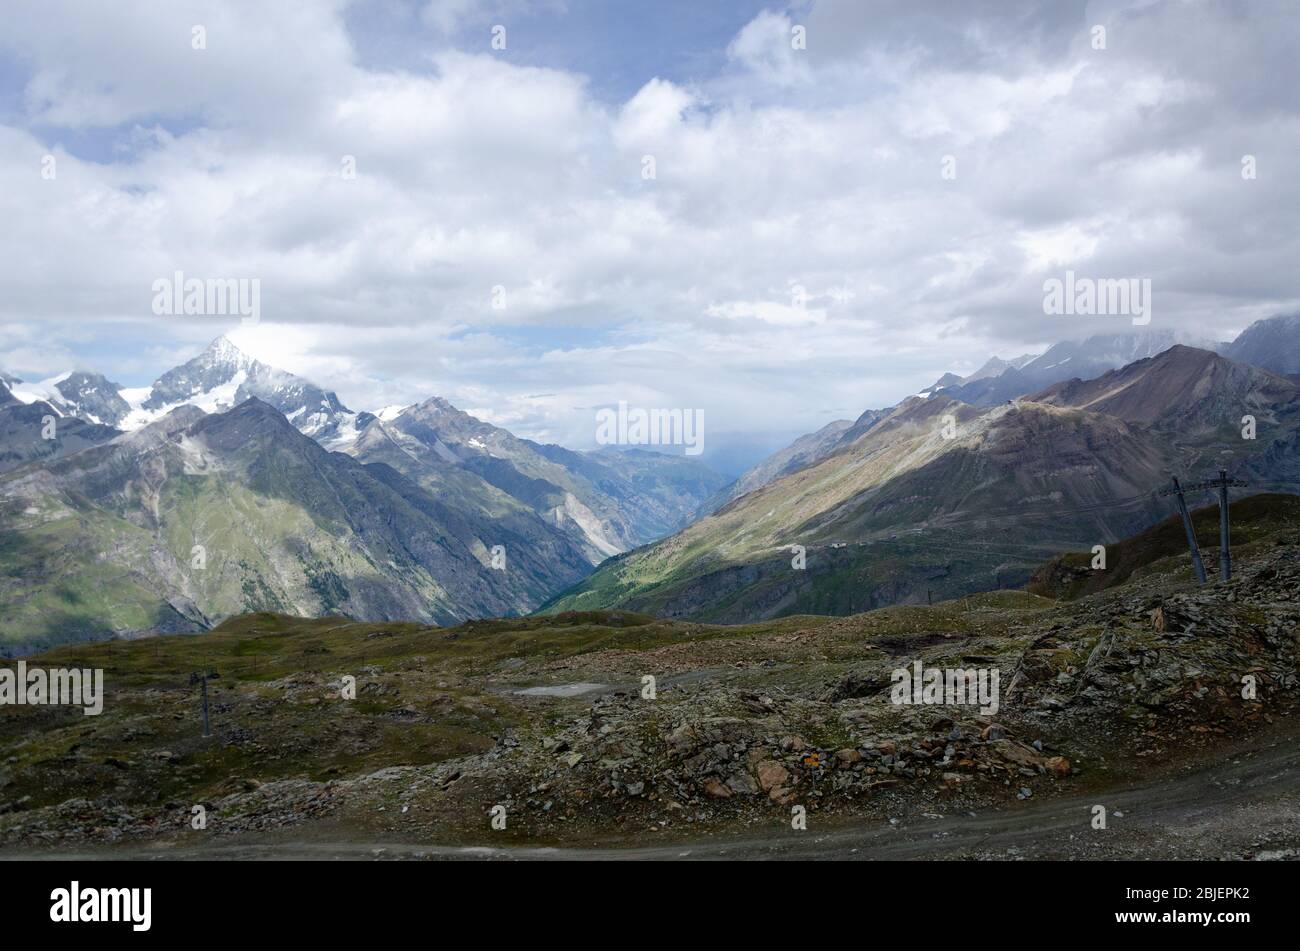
{"points": [[230, 486], [1272, 344], [938, 496], [1001, 381], [297, 503]]}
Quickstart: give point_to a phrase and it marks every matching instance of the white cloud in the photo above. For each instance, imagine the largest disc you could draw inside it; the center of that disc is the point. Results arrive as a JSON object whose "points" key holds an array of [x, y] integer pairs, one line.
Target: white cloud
{"points": [[820, 170], [769, 46], [104, 64], [769, 312], [653, 116], [1056, 247]]}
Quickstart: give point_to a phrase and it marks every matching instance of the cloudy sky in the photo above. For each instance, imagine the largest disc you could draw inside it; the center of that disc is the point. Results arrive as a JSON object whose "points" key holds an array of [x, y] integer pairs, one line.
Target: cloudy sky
{"points": [[799, 254]]}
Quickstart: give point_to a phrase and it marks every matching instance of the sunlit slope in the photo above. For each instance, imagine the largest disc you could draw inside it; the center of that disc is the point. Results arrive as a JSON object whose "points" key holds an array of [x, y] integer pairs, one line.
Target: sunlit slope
{"points": [[940, 498], [902, 512]]}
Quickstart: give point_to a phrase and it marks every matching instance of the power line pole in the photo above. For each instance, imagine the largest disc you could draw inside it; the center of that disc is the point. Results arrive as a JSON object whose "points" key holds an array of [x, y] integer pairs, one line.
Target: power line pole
{"points": [[1176, 491], [1225, 557], [1221, 483], [203, 680]]}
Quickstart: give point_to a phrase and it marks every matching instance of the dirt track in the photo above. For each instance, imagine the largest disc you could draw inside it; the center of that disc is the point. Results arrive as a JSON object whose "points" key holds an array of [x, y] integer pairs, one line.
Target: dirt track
{"points": [[1245, 806]]}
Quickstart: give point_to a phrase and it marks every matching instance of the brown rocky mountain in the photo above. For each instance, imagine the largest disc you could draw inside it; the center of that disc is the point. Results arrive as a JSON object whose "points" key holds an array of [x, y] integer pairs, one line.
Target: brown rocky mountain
{"points": [[941, 498], [1182, 387]]}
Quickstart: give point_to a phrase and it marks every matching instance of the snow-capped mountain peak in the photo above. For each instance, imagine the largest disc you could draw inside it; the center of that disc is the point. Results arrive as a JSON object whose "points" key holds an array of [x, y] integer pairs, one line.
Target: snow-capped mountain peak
{"points": [[223, 352], [87, 396], [223, 376]]}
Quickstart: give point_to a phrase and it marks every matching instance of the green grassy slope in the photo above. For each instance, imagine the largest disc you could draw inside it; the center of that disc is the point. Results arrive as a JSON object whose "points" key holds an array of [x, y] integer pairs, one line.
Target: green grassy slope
{"points": [[1070, 575]]}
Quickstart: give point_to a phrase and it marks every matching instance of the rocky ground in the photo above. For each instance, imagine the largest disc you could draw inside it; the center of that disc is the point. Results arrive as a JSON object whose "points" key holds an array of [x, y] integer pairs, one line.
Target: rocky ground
{"points": [[547, 724]]}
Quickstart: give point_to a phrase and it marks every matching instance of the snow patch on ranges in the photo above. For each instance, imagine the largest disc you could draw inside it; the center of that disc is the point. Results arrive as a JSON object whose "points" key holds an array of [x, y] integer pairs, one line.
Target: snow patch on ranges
{"points": [[216, 400], [44, 391]]}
